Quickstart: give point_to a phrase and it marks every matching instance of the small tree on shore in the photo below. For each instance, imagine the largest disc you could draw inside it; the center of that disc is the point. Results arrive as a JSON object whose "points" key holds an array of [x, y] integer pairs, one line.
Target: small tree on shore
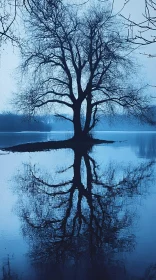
{"points": [[77, 60]]}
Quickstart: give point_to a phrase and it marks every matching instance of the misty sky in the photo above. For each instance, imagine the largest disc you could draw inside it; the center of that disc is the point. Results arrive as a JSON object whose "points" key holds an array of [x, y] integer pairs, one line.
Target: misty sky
{"points": [[9, 59]]}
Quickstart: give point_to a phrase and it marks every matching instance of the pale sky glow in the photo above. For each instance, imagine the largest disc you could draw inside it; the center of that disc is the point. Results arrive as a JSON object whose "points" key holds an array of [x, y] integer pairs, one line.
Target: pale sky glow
{"points": [[9, 60], [8, 63]]}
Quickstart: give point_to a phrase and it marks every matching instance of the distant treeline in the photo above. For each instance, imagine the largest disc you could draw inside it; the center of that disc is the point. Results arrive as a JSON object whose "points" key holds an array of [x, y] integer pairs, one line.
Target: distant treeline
{"points": [[117, 122], [15, 123], [123, 122]]}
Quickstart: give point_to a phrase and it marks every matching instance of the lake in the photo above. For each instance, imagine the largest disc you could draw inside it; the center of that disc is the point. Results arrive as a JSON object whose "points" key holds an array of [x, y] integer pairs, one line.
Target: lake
{"points": [[78, 214]]}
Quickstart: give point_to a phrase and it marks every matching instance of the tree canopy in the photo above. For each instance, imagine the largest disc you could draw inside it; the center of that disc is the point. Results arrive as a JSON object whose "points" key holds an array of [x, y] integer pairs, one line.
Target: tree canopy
{"points": [[77, 60]]}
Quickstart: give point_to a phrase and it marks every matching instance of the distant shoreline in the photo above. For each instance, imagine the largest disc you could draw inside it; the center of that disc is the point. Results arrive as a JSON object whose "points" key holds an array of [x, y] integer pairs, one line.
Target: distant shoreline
{"points": [[69, 131]]}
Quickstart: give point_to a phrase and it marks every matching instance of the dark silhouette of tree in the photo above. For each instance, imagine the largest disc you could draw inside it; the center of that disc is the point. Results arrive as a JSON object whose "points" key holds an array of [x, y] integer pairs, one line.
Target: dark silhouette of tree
{"points": [[77, 62], [78, 221]]}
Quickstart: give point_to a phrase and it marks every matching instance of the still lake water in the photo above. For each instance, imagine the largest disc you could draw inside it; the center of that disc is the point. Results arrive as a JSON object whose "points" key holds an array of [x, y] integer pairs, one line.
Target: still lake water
{"points": [[78, 214]]}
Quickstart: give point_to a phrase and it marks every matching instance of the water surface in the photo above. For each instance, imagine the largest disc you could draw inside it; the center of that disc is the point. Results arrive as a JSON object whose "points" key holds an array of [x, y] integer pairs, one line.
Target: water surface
{"points": [[78, 214]]}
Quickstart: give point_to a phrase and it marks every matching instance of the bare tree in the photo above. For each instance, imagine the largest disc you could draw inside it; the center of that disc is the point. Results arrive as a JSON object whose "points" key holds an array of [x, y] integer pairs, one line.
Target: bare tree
{"points": [[78, 62]]}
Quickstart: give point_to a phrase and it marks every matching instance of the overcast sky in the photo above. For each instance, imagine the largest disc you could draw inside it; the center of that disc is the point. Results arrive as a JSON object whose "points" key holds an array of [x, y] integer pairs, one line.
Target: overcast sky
{"points": [[9, 59]]}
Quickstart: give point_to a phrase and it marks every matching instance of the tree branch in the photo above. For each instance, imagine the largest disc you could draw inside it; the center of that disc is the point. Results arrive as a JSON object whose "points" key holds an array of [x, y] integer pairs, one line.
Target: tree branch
{"points": [[53, 101], [63, 117]]}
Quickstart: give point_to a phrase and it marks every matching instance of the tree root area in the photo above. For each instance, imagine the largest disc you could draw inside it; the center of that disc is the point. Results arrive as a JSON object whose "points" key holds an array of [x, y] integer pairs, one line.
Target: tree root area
{"points": [[53, 145]]}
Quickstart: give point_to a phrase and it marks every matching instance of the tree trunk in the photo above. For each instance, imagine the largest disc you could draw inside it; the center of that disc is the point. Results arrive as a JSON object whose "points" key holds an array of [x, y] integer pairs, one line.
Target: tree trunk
{"points": [[79, 132], [88, 116], [77, 122]]}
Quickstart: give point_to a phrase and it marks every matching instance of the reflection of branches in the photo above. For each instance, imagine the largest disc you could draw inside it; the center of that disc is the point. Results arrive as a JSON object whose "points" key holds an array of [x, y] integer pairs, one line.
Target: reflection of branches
{"points": [[146, 146], [80, 219], [130, 182], [150, 272], [7, 272]]}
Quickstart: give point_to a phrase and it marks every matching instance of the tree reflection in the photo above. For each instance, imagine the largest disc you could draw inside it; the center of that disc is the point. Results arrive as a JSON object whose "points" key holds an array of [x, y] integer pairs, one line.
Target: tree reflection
{"points": [[83, 221], [146, 146]]}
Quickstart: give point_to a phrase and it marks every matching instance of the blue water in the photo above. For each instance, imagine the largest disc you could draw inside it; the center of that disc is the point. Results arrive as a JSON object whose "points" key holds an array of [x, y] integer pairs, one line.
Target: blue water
{"points": [[69, 214]]}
